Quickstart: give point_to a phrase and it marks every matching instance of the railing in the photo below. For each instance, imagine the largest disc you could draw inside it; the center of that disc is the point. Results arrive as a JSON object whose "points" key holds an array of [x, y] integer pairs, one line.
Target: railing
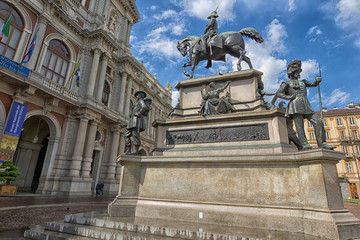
{"points": [[349, 139], [60, 89]]}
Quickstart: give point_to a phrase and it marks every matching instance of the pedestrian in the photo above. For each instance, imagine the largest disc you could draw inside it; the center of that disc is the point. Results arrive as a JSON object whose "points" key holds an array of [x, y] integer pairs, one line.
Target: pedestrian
{"points": [[99, 188]]}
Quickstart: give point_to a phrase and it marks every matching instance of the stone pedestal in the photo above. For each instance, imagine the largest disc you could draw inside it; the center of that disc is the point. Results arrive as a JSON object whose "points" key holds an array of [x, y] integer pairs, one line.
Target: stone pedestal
{"points": [[242, 92], [234, 170], [290, 192]]}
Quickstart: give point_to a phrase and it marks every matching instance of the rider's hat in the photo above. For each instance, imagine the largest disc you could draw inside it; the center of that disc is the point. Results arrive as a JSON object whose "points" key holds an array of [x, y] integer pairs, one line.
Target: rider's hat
{"points": [[140, 92], [213, 14]]}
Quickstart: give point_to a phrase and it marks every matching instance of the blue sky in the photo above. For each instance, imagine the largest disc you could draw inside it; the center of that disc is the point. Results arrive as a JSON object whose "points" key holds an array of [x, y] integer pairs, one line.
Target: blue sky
{"points": [[316, 32]]}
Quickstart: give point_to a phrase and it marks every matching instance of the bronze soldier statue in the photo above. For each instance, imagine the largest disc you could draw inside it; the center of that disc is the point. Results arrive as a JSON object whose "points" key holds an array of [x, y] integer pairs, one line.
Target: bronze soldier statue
{"points": [[138, 122], [210, 31], [299, 106]]}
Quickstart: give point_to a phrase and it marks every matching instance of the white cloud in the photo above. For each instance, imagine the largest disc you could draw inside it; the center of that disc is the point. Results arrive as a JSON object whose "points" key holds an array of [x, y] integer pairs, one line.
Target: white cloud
{"points": [[166, 15], [348, 18], [309, 69], [292, 5], [158, 44], [337, 97], [202, 8], [263, 55], [313, 33], [175, 98], [153, 8]]}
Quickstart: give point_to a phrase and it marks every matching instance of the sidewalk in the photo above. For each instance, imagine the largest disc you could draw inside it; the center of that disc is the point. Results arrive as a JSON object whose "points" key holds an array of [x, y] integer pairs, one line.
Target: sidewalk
{"points": [[31, 209]]}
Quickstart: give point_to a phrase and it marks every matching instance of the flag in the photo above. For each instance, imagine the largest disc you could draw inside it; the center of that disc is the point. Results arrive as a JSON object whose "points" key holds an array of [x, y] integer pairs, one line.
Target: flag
{"points": [[77, 74], [27, 56], [5, 28]]}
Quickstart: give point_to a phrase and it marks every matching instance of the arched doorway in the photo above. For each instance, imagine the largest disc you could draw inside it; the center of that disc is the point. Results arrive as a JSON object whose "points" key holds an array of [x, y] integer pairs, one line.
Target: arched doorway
{"points": [[31, 151]]}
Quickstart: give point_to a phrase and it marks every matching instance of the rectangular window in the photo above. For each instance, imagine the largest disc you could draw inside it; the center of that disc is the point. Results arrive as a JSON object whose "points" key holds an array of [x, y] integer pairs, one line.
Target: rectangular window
{"points": [[352, 121], [358, 150], [341, 134], [327, 134], [309, 124], [349, 168], [345, 150], [354, 134], [312, 136], [325, 123], [339, 122]]}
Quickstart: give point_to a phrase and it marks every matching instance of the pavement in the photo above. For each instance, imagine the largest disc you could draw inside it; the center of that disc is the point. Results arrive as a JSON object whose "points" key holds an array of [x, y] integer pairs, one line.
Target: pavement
{"points": [[26, 209]]}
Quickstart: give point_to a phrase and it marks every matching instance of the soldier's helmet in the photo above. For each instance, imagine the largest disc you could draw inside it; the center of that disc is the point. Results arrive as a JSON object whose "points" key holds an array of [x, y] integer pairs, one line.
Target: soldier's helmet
{"points": [[213, 14]]}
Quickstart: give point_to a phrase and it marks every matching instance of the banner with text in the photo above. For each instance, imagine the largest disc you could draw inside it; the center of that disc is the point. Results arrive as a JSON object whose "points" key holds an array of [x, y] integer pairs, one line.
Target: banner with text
{"points": [[13, 126]]}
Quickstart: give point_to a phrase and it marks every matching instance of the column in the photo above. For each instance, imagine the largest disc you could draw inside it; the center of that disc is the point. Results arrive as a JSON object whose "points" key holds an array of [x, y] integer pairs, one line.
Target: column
{"points": [[113, 154], [124, 32], [78, 149], [88, 155], [42, 22], [128, 95], [122, 92], [93, 73], [100, 87]]}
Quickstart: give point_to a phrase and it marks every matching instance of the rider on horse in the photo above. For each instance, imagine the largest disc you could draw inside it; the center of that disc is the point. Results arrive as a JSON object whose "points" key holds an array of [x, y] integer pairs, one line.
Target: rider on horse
{"points": [[209, 31]]}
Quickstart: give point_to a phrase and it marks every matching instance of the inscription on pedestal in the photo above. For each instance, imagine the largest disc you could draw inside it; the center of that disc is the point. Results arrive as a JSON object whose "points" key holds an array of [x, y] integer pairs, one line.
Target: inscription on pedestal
{"points": [[252, 132]]}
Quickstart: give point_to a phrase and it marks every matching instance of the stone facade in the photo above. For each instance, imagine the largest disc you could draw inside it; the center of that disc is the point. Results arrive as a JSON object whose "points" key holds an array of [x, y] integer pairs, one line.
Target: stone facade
{"points": [[72, 136]]}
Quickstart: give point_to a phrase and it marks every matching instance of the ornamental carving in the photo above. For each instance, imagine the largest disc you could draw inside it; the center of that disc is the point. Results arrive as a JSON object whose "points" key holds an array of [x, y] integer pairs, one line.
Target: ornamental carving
{"points": [[253, 132]]}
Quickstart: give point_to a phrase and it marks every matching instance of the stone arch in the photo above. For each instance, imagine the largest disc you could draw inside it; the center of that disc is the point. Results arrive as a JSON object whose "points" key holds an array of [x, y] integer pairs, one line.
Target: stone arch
{"points": [[54, 138], [26, 34], [70, 47], [54, 125]]}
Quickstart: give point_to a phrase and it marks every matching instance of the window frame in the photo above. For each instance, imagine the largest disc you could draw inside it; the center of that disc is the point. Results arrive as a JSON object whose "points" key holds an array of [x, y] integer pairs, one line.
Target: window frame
{"points": [[52, 51], [339, 122], [14, 26]]}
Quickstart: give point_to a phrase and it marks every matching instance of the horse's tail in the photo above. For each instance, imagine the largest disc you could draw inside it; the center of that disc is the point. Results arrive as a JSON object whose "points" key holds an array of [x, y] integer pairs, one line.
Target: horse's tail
{"points": [[251, 33]]}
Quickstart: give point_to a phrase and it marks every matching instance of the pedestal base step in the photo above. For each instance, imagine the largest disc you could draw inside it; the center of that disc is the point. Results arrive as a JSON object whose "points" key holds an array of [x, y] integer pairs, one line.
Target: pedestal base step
{"points": [[101, 226]]}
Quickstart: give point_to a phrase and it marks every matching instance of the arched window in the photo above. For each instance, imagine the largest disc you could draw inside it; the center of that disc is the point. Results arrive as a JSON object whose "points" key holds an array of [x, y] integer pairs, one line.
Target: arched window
{"points": [[56, 62], [8, 45], [106, 93]]}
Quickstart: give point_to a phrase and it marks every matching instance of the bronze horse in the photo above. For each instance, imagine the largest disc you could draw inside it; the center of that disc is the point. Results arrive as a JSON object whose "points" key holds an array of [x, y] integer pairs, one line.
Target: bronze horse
{"points": [[233, 44]]}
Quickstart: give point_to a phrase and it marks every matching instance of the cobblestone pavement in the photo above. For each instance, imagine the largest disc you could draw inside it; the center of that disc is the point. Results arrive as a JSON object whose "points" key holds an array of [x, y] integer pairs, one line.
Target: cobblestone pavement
{"points": [[18, 213]]}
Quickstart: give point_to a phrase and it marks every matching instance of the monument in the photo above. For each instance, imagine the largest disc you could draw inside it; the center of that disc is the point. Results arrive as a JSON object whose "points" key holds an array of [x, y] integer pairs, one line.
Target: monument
{"points": [[223, 168], [234, 166]]}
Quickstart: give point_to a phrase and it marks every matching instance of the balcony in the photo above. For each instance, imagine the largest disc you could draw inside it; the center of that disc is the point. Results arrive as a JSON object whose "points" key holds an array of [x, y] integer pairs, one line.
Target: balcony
{"points": [[349, 140]]}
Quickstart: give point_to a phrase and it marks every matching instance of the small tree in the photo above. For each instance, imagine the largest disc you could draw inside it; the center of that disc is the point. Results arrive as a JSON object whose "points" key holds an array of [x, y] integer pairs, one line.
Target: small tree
{"points": [[8, 172]]}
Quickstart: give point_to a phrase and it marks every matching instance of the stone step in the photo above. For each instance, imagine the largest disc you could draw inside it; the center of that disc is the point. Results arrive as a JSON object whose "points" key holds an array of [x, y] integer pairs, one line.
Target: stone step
{"points": [[39, 232], [93, 232], [154, 227]]}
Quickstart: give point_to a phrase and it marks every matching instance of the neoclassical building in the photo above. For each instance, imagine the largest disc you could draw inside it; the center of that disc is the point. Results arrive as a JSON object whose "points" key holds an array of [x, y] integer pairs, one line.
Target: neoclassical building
{"points": [[71, 136], [342, 131]]}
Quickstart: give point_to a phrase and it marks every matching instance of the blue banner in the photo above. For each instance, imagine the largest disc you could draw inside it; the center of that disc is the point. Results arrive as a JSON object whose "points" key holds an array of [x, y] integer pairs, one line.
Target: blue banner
{"points": [[16, 119], [14, 66]]}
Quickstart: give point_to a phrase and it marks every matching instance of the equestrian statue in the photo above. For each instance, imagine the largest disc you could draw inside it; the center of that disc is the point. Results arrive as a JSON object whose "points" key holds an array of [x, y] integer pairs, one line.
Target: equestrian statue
{"points": [[213, 46]]}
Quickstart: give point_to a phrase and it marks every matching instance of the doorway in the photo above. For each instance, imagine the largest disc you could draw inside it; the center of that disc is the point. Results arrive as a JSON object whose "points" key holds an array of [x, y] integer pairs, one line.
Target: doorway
{"points": [[30, 153]]}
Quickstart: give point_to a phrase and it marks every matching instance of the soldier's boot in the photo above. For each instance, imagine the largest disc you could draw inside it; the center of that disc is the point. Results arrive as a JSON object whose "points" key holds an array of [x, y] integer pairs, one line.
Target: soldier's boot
{"points": [[306, 147], [203, 45], [136, 152], [326, 146], [127, 149]]}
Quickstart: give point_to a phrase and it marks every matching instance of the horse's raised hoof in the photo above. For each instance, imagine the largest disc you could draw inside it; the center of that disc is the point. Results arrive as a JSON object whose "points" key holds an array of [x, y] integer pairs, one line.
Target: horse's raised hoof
{"points": [[186, 74]]}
